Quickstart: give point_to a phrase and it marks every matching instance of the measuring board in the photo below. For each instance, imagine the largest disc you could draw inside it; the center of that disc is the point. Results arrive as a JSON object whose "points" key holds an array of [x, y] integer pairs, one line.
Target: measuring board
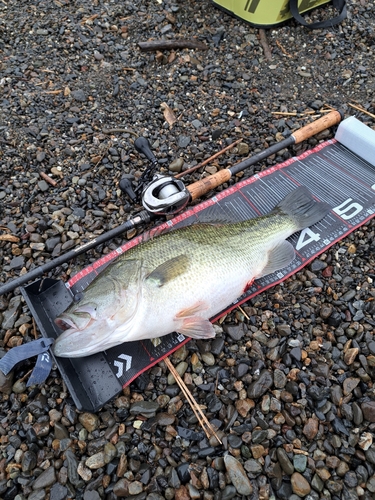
{"points": [[330, 171]]}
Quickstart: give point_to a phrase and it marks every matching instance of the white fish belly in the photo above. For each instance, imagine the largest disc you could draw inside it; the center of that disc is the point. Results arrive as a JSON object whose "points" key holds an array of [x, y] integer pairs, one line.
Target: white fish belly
{"points": [[207, 287], [209, 293]]}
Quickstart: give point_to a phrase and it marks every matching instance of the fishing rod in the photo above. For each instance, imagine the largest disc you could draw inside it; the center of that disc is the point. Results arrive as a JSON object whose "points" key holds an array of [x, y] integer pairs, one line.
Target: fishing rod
{"points": [[199, 188], [158, 196], [168, 195]]}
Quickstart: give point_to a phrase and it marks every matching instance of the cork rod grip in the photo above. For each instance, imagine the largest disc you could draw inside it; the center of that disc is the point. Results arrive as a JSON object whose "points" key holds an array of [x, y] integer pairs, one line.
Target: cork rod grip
{"points": [[199, 188], [332, 118]]}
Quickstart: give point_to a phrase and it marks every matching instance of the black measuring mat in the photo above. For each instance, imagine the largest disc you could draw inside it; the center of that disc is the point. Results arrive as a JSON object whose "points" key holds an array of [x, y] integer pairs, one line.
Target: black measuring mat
{"points": [[330, 171]]}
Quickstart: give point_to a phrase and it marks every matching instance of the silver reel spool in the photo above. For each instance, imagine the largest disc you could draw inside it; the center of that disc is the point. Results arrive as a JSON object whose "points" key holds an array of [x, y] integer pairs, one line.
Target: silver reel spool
{"points": [[165, 195]]}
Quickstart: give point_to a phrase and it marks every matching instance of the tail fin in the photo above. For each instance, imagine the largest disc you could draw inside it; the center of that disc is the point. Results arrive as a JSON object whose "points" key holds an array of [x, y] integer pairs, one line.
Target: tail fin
{"points": [[301, 207]]}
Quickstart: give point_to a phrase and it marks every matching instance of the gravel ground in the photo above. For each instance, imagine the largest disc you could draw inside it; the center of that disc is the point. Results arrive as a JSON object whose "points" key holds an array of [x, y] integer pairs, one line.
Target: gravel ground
{"points": [[295, 405]]}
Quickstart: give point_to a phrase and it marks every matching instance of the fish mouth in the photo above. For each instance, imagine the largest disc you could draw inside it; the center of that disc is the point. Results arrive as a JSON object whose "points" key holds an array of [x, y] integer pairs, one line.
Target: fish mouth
{"points": [[64, 323], [75, 342]]}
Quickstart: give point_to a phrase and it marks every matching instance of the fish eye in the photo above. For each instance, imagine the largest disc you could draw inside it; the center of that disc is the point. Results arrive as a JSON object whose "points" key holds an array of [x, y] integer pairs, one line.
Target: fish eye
{"points": [[78, 297]]}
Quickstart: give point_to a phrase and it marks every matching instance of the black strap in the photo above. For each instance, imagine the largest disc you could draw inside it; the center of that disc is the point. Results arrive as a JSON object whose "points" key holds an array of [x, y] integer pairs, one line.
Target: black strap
{"points": [[42, 369], [340, 5], [25, 351]]}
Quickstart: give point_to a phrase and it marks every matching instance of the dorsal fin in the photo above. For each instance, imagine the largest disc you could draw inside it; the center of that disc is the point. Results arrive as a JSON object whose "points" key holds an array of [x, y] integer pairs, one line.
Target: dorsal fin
{"points": [[214, 215]]}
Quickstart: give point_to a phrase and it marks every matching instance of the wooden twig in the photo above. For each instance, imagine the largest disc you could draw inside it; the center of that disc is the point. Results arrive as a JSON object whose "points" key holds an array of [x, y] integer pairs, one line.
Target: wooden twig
{"points": [[25, 376], [154, 45], [282, 49], [202, 419], [119, 131], [100, 157], [211, 158], [294, 113], [361, 109], [91, 18], [264, 43], [35, 333], [48, 179], [284, 113], [329, 107], [243, 312]]}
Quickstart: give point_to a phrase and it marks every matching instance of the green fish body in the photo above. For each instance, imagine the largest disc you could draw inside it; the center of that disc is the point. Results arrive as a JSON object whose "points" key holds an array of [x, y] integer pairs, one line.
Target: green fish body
{"points": [[180, 279]]}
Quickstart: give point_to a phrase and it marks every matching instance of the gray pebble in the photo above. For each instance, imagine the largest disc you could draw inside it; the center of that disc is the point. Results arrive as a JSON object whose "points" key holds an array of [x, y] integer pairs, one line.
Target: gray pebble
{"points": [[237, 475], [349, 295], [11, 314], [197, 124], [37, 495], [17, 263], [79, 95], [183, 141], [145, 408], [58, 492], [284, 461], [260, 386], [43, 186], [236, 332], [45, 479], [279, 379], [228, 492], [300, 463]]}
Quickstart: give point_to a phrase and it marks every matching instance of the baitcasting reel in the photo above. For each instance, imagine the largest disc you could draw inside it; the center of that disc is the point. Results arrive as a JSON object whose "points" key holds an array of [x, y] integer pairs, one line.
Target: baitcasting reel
{"points": [[159, 194], [165, 195]]}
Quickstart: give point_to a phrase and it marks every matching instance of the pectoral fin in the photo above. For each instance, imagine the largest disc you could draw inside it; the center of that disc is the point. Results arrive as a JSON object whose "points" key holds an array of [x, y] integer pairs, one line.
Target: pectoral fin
{"points": [[197, 328], [169, 270], [194, 326], [280, 256]]}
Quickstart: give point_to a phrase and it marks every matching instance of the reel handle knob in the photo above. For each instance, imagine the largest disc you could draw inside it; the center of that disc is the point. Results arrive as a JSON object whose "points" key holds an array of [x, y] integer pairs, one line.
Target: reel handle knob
{"points": [[126, 187], [143, 146]]}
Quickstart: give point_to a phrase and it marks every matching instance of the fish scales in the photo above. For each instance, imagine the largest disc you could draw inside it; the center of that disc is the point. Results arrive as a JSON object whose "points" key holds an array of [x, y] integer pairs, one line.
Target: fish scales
{"points": [[179, 279], [212, 250]]}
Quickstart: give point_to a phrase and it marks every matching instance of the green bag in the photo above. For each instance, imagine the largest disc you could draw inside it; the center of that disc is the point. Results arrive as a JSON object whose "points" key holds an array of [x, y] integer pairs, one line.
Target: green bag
{"points": [[268, 13]]}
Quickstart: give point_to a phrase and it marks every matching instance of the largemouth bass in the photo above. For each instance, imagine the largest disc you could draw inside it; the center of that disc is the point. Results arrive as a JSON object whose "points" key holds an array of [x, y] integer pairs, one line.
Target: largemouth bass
{"points": [[180, 279]]}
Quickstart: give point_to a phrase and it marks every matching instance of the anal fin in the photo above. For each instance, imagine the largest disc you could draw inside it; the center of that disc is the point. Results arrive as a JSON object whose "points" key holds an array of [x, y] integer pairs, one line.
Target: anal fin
{"points": [[279, 257]]}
